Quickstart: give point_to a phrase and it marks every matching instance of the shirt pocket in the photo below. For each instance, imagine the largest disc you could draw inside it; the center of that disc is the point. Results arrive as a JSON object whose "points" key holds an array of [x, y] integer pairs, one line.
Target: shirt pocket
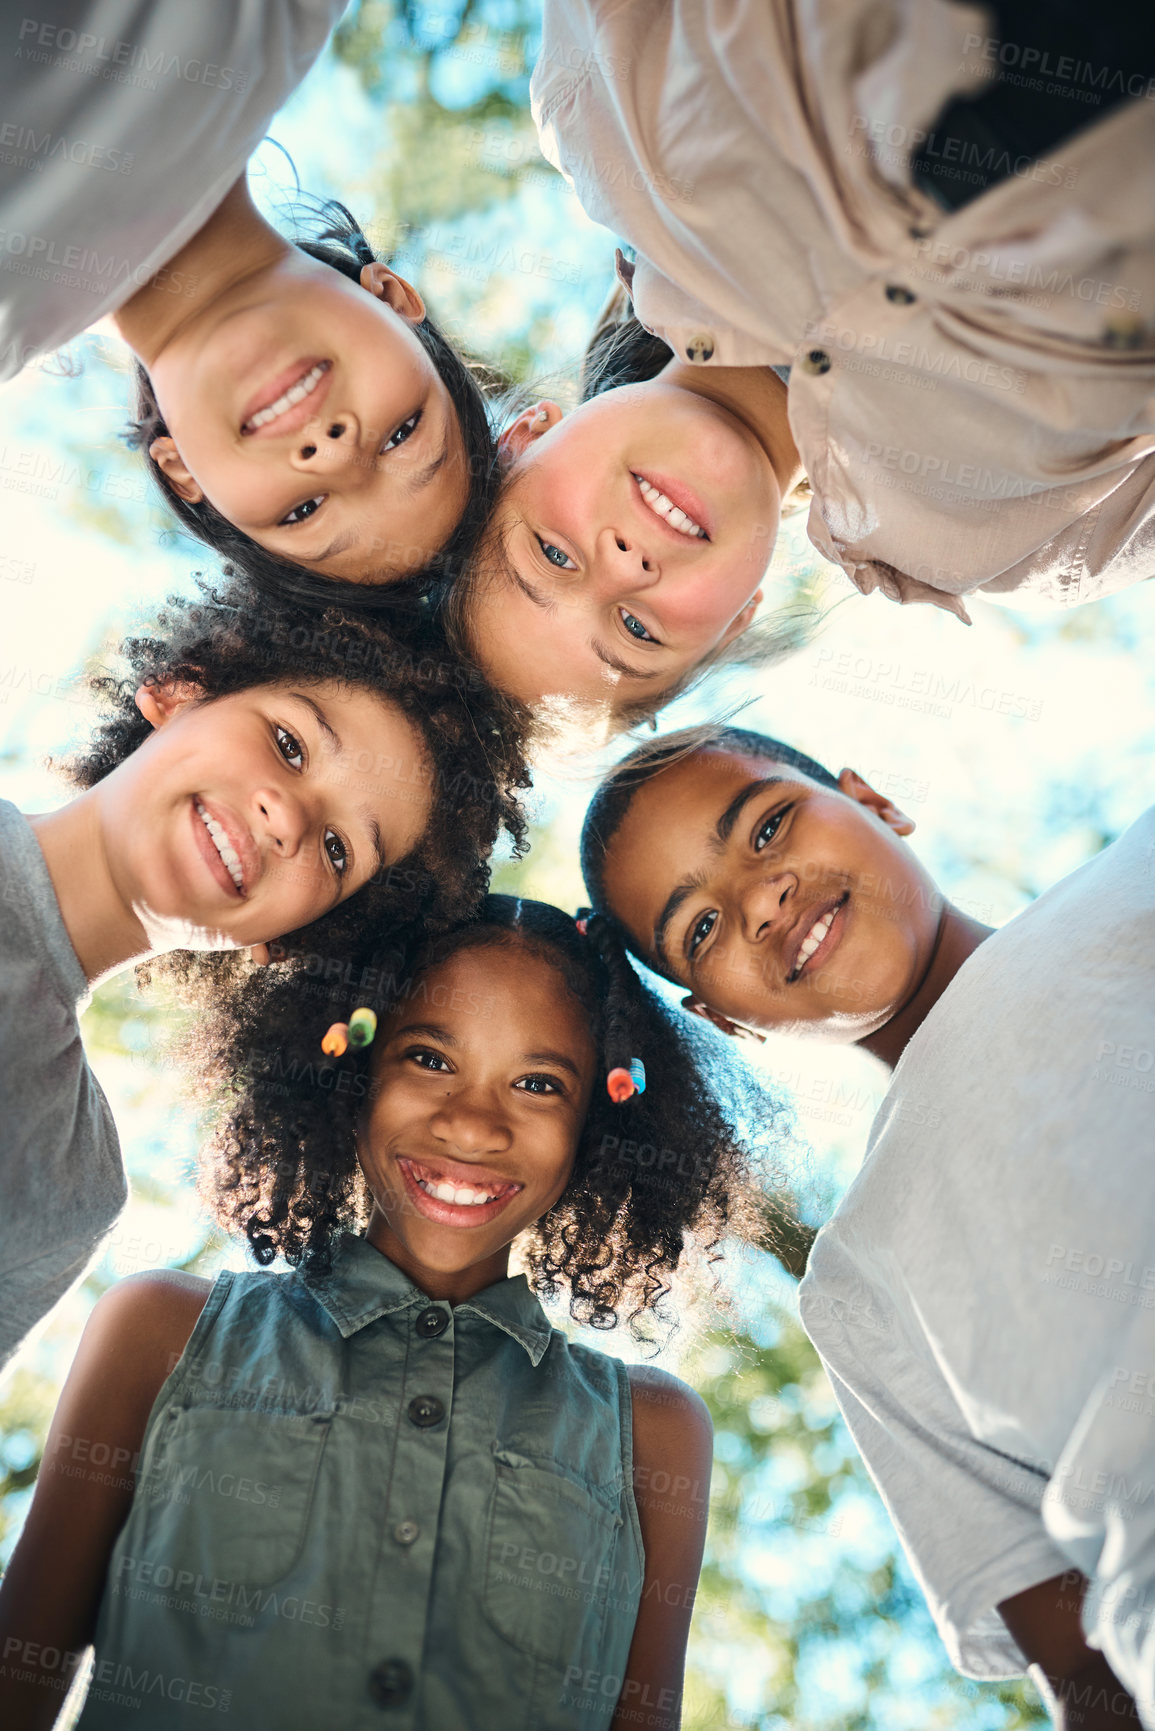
{"points": [[549, 1557], [227, 1494]]}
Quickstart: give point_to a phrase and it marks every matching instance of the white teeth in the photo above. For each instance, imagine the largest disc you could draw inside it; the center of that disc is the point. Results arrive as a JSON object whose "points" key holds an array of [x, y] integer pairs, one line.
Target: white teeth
{"points": [[460, 1194], [663, 507], [295, 394], [814, 937], [222, 845]]}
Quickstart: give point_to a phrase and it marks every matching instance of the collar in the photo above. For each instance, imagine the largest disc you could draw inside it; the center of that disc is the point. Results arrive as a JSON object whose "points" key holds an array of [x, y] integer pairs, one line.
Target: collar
{"points": [[363, 1285]]}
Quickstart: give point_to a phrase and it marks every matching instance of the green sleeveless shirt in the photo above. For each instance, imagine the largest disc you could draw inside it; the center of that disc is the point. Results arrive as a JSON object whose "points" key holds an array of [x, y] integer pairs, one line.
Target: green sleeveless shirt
{"points": [[360, 1507]]}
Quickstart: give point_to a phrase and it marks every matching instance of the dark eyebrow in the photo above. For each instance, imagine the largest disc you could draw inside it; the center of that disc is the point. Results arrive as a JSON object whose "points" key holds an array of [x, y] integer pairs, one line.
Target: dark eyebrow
{"points": [[431, 1031], [423, 476], [529, 591], [558, 1058], [331, 736], [375, 837], [724, 827], [723, 830], [340, 544], [673, 903]]}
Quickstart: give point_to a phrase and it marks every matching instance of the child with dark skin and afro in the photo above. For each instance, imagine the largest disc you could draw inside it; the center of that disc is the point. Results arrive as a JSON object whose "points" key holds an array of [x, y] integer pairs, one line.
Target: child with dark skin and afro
{"points": [[490, 1523], [979, 1296], [255, 781]]}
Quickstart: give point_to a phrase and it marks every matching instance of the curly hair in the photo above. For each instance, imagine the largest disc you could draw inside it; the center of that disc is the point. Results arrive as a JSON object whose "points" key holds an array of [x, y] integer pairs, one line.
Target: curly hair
{"points": [[282, 1165], [341, 243], [607, 810], [229, 638]]}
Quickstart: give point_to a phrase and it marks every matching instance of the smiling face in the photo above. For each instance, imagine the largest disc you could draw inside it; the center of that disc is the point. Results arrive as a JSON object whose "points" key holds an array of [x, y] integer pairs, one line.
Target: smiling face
{"points": [[628, 544], [246, 817], [779, 903], [306, 410], [481, 1085]]}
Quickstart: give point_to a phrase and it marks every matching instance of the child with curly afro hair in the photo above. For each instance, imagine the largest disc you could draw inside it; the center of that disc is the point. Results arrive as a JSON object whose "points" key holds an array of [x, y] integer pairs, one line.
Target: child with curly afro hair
{"points": [[255, 780], [492, 1523]]}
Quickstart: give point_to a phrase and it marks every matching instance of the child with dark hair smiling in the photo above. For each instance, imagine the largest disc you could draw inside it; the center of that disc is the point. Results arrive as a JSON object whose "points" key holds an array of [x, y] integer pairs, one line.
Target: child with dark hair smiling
{"points": [[254, 782], [468, 1502], [979, 1297]]}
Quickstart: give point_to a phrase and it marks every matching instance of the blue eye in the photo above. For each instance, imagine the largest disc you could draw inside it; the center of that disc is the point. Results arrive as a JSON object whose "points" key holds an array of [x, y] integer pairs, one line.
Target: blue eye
{"points": [[769, 829], [700, 931], [563, 562], [302, 512], [635, 627], [405, 431]]}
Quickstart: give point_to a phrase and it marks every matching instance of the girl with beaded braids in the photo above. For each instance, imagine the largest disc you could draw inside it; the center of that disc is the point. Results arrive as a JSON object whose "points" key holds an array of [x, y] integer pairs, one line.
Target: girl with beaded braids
{"points": [[254, 782], [492, 1524]]}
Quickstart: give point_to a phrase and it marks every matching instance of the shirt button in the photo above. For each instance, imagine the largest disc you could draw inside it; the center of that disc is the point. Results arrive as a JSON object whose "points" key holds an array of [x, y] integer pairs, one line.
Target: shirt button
{"points": [[425, 1410], [699, 349], [898, 296], [391, 1683], [816, 361], [431, 1323], [406, 1532]]}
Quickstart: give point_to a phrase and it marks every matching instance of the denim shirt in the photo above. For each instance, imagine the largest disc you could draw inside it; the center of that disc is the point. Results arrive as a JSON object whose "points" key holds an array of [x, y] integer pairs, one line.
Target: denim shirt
{"points": [[357, 1506]]}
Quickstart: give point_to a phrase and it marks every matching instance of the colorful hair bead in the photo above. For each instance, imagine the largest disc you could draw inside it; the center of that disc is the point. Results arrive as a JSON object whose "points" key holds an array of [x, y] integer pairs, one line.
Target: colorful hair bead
{"points": [[622, 1085], [582, 920], [362, 1027], [336, 1041]]}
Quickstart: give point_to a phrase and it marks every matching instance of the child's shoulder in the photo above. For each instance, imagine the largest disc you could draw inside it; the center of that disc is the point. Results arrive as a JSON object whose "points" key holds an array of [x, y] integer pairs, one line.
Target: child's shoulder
{"points": [[655, 1392], [156, 1312]]}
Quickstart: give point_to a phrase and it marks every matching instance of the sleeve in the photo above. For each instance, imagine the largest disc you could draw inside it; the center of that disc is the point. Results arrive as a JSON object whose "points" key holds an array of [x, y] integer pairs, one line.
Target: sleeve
{"points": [[1100, 1508], [967, 1515], [1108, 547]]}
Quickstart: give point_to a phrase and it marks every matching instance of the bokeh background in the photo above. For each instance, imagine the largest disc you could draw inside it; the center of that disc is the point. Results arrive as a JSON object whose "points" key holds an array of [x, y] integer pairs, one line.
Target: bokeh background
{"points": [[1021, 747]]}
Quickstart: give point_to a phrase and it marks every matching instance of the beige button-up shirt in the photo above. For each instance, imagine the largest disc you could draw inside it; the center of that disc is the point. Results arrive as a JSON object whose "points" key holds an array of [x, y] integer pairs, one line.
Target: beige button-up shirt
{"points": [[972, 394]]}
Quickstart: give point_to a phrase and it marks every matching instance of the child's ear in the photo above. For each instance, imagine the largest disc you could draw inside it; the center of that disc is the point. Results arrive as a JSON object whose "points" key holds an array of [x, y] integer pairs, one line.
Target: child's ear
{"points": [[172, 466], [733, 1030], [743, 620], [385, 285], [857, 787], [529, 425], [158, 701]]}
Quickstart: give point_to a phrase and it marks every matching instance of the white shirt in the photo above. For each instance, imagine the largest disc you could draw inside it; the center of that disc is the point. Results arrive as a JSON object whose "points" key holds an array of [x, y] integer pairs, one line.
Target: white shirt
{"points": [[123, 124], [963, 415], [984, 1296]]}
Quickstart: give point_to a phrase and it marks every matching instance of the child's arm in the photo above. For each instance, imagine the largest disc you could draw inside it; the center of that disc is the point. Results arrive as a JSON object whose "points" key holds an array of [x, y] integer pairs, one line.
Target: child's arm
{"points": [[673, 1451], [51, 1592], [1082, 1693]]}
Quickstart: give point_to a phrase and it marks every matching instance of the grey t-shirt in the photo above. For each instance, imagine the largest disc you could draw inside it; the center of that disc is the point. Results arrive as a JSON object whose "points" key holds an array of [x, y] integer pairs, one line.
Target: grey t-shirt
{"points": [[123, 123], [984, 1296], [62, 1182]]}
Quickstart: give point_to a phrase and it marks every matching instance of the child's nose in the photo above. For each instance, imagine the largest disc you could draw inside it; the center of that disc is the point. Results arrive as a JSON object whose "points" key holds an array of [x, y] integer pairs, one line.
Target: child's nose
{"points": [[281, 818], [329, 445], [625, 566], [766, 904], [471, 1126]]}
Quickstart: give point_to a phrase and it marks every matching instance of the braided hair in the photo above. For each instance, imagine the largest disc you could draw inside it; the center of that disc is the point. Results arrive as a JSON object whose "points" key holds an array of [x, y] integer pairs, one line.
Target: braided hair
{"points": [[342, 244], [667, 1163]]}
